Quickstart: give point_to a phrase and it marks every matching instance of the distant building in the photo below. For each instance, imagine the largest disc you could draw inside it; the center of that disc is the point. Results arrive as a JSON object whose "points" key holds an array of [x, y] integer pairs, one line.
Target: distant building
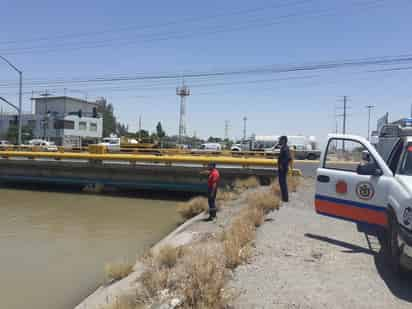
{"points": [[64, 120]]}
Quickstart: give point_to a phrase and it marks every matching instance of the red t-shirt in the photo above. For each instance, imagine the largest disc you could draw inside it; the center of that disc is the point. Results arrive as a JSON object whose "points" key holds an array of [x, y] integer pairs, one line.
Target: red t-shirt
{"points": [[214, 177]]}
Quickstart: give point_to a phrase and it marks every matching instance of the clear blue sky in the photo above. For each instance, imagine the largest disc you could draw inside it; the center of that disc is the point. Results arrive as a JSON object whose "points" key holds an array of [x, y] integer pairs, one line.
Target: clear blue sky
{"points": [[52, 40]]}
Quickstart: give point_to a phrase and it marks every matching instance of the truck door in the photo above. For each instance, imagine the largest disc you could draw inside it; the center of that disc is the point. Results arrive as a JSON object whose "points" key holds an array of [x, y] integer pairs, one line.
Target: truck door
{"points": [[352, 182]]}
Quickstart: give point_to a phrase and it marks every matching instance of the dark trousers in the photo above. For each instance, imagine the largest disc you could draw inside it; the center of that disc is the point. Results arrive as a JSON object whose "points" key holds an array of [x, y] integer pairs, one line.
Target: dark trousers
{"points": [[283, 183], [211, 198]]}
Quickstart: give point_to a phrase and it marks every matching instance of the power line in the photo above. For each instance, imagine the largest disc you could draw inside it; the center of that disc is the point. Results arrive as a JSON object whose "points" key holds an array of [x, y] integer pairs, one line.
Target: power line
{"points": [[269, 69], [162, 25], [179, 35]]}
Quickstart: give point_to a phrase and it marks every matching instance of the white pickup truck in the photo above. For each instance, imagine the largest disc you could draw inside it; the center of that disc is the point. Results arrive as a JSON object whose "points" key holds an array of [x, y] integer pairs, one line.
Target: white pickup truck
{"points": [[355, 183]]}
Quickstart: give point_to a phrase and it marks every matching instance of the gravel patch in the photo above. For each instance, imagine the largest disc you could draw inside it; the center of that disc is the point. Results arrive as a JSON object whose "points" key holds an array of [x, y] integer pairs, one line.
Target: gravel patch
{"points": [[303, 260]]}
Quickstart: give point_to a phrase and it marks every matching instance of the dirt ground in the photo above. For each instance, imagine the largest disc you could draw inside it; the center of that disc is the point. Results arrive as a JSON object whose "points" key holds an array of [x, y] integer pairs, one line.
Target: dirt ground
{"points": [[303, 260]]}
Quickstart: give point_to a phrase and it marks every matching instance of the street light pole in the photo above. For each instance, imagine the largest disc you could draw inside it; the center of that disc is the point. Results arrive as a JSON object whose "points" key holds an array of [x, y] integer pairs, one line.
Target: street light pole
{"points": [[20, 96], [369, 107]]}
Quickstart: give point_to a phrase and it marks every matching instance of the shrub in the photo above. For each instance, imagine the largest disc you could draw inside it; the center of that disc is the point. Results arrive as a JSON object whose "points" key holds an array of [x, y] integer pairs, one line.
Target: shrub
{"points": [[244, 184], [224, 196], [231, 249], [117, 270], [193, 207], [167, 256], [243, 230], [253, 214], [205, 280], [155, 279], [275, 189], [265, 200]]}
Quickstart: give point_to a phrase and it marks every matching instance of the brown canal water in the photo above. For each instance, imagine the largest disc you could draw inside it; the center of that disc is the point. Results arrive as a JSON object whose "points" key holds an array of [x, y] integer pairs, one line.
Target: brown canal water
{"points": [[54, 246]]}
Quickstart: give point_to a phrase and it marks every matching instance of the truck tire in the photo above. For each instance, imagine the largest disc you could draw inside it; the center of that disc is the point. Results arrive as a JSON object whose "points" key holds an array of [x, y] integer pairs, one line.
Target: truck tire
{"points": [[311, 156], [393, 252]]}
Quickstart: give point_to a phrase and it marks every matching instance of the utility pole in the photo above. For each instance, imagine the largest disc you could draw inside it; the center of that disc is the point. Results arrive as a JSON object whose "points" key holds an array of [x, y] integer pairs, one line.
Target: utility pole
{"points": [[226, 129], [20, 96], [344, 115], [244, 128], [369, 107], [140, 128]]}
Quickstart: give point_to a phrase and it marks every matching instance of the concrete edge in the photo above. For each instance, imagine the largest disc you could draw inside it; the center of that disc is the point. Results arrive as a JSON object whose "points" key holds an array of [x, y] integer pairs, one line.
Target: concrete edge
{"points": [[105, 293]]}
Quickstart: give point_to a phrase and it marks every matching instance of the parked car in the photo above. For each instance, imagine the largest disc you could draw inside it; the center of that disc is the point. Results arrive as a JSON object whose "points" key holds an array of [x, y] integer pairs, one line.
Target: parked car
{"points": [[43, 145], [4, 144], [111, 143]]}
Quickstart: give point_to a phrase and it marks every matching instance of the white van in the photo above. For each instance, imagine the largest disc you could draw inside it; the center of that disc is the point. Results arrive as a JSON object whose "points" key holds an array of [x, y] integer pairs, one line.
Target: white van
{"points": [[211, 147]]}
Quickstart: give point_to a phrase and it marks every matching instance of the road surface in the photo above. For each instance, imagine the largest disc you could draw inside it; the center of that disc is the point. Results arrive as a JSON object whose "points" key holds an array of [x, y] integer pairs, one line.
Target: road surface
{"points": [[303, 260]]}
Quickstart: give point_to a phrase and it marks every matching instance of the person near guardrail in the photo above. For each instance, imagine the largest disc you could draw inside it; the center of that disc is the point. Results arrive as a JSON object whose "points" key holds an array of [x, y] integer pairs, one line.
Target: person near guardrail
{"points": [[212, 187], [283, 167]]}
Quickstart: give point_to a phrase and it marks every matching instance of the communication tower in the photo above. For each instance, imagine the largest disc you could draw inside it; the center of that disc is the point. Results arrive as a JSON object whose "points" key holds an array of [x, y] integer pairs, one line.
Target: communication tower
{"points": [[182, 92]]}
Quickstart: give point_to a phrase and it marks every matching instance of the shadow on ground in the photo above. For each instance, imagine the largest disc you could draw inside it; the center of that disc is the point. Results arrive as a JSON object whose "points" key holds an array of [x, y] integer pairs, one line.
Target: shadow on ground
{"points": [[400, 286]]}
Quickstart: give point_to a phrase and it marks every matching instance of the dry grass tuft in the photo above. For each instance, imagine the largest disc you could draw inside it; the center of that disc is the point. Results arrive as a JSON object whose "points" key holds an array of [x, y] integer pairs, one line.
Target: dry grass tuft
{"points": [[275, 189], [167, 256], [253, 214], [193, 207], [265, 200], [205, 280], [241, 185], [293, 183], [118, 270], [224, 196], [155, 279], [237, 237]]}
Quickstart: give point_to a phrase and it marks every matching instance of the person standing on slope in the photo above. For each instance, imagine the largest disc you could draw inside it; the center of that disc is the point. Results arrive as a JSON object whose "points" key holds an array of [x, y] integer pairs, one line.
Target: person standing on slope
{"points": [[283, 167], [212, 186]]}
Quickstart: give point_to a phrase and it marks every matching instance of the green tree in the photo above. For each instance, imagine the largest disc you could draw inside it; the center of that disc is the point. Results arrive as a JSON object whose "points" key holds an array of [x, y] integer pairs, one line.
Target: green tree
{"points": [[144, 134], [13, 131], [159, 130], [109, 120], [212, 139]]}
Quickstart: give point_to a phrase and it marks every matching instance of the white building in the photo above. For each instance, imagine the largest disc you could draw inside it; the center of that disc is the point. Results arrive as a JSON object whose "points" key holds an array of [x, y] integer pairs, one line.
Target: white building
{"points": [[67, 120], [64, 120]]}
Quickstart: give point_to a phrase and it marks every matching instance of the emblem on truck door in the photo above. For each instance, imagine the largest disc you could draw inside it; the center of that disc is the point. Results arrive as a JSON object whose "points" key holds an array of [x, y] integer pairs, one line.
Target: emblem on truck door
{"points": [[365, 191]]}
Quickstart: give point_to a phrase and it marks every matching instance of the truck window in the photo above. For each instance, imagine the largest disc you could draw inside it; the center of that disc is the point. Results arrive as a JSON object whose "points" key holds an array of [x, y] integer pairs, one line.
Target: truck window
{"points": [[406, 166], [395, 156], [346, 155]]}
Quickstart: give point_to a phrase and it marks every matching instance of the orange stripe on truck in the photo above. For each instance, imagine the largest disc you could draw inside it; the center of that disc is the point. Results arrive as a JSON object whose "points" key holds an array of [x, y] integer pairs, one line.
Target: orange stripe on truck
{"points": [[350, 212]]}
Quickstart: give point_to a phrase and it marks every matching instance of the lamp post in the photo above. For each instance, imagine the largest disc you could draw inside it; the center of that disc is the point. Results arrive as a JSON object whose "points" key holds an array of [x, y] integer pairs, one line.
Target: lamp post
{"points": [[19, 109]]}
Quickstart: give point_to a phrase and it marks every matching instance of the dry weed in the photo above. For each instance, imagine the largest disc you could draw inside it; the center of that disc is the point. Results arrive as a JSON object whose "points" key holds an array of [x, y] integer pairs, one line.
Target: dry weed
{"points": [[193, 207], [155, 279], [241, 185], [275, 189], [167, 256], [118, 270], [205, 280], [293, 183], [224, 196], [266, 200], [232, 250], [253, 214], [243, 230]]}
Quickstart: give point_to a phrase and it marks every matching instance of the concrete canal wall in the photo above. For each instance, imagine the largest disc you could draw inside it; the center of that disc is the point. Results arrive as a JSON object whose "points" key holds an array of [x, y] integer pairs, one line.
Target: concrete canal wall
{"points": [[124, 175]]}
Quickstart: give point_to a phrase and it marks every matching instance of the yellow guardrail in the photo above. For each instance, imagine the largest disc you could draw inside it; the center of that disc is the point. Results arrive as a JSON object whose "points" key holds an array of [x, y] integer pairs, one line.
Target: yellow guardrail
{"points": [[132, 158], [141, 158]]}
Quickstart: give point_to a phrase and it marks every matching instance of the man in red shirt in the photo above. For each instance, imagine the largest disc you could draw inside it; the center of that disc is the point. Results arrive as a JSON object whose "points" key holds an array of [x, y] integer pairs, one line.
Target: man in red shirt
{"points": [[212, 185]]}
